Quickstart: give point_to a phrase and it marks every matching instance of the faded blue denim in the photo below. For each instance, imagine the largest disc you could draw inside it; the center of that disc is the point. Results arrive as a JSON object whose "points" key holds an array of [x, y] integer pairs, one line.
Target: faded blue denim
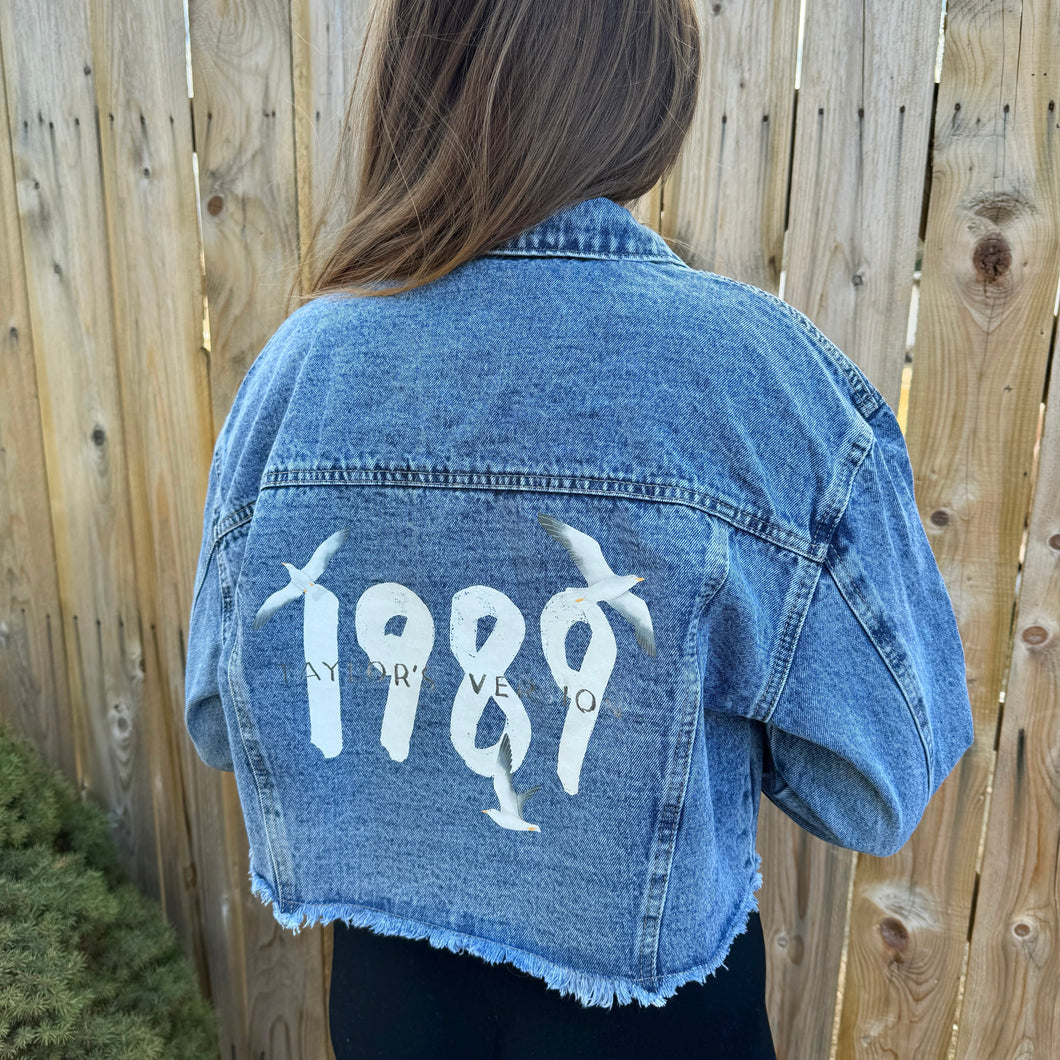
{"points": [[587, 549]]}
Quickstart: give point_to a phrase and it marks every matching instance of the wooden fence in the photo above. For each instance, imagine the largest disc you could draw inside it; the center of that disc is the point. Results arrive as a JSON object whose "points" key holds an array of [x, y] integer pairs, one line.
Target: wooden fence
{"points": [[131, 219]]}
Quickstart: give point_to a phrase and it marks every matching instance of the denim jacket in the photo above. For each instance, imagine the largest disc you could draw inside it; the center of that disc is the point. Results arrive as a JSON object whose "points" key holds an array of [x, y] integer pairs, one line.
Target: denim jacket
{"points": [[518, 589]]}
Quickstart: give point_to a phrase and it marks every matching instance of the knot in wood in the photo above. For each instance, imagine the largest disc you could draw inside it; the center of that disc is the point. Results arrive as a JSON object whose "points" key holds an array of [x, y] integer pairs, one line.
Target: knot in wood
{"points": [[940, 517], [992, 257], [793, 945], [894, 934], [1035, 635]]}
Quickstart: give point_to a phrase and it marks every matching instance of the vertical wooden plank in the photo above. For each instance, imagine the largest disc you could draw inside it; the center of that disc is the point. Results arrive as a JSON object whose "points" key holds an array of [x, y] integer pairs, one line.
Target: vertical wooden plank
{"points": [[244, 114], [244, 137], [724, 203], [991, 260], [34, 688], [140, 78], [56, 152], [327, 45], [1012, 217], [1010, 996], [861, 147]]}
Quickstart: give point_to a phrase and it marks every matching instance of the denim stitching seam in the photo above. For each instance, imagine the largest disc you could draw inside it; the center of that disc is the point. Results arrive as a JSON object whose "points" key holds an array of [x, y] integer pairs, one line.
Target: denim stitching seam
{"points": [[846, 583], [805, 582], [527, 252], [744, 519], [258, 769], [666, 834]]}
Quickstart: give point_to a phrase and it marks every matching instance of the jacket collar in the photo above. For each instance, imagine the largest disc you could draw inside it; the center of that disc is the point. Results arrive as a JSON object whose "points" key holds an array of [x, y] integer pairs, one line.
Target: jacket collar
{"points": [[592, 228]]}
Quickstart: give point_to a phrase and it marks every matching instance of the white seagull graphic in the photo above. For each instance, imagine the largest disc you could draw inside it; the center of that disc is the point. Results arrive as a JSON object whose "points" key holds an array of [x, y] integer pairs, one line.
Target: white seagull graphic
{"points": [[510, 814], [301, 580], [603, 585]]}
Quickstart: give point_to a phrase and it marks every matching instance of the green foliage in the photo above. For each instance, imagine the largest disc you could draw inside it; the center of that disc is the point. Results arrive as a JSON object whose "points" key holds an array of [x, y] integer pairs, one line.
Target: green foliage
{"points": [[88, 966]]}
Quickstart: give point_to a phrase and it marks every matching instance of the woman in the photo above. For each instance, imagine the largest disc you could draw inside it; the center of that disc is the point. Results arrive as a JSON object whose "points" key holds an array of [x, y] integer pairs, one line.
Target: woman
{"points": [[532, 557], [607, 91]]}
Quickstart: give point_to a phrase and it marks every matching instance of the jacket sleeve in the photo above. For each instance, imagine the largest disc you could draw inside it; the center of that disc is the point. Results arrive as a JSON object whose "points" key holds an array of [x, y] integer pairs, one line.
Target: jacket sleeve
{"points": [[874, 712], [252, 423], [203, 713]]}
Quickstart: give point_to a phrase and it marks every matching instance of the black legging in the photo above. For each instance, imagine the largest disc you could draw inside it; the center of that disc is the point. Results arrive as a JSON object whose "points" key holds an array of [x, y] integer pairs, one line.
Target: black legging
{"points": [[401, 998]]}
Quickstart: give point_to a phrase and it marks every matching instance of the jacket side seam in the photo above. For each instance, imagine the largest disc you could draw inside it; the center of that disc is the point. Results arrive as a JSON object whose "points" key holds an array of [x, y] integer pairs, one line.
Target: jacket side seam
{"points": [[205, 574], [259, 769], [214, 520], [669, 819], [234, 521]]}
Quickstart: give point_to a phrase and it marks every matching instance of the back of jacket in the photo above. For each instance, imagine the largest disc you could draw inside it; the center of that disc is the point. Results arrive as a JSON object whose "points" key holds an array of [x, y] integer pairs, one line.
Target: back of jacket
{"points": [[517, 590]]}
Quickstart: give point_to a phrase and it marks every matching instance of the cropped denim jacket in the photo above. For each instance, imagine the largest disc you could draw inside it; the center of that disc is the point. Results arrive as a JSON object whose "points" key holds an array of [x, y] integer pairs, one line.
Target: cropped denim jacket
{"points": [[518, 590]]}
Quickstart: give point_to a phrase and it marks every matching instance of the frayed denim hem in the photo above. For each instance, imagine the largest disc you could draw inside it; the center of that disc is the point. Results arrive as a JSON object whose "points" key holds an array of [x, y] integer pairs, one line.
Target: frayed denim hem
{"points": [[591, 990]]}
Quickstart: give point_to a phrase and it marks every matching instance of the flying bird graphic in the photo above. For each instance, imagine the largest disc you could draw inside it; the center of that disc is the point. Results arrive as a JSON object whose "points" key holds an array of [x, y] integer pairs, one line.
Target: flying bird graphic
{"points": [[510, 814], [301, 580], [603, 585]]}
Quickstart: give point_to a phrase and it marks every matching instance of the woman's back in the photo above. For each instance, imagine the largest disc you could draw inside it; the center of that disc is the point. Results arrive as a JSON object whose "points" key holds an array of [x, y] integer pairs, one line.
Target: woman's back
{"points": [[522, 580], [529, 585]]}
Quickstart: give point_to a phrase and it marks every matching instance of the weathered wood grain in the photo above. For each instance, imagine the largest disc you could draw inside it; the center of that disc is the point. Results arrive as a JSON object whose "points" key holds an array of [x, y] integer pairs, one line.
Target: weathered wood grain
{"points": [[244, 111], [59, 180], [141, 88], [985, 313], [34, 683], [864, 114], [1005, 144], [724, 203]]}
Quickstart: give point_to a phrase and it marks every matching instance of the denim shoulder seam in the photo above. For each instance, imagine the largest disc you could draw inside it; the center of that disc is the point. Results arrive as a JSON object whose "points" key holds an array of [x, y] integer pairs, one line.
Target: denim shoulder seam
{"points": [[866, 397], [244, 510]]}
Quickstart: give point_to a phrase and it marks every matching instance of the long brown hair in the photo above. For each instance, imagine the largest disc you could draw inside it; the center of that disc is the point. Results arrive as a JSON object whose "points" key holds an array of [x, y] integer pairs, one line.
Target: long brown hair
{"points": [[481, 118]]}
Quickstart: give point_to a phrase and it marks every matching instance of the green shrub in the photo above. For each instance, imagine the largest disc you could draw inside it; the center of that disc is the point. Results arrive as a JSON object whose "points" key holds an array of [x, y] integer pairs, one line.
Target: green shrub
{"points": [[88, 966]]}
